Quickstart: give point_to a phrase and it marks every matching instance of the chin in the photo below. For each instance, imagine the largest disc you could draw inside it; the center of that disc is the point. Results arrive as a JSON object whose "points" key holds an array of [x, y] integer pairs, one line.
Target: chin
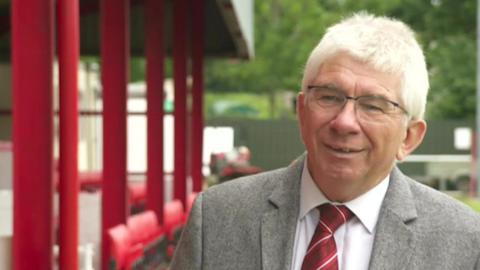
{"points": [[339, 171], [343, 177]]}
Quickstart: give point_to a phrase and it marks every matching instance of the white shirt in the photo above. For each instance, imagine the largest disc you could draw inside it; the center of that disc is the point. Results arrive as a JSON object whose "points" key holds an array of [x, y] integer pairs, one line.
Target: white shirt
{"points": [[354, 239]]}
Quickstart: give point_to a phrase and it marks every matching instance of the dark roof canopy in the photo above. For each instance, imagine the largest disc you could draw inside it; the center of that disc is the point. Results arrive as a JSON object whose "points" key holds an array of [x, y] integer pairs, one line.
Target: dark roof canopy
{"points": [[228, 27]]}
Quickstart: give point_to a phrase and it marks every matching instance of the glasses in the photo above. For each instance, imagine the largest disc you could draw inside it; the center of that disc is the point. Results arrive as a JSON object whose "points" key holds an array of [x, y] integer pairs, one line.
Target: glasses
{"points": [[368, 107]]}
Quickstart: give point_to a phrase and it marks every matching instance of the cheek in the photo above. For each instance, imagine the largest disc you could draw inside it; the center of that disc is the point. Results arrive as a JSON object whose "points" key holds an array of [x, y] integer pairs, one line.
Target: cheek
{"points": [[312, 127], [306, 121], [384, 139], [391, 142], [307, 132]]}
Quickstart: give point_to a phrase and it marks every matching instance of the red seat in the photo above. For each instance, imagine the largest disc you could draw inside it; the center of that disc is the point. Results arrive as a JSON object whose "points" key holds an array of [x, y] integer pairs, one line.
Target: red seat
{"points": [[123, 255], [90, 181], [137, 196], [137, 192], [143, 227], [145, 231], [173, 222], [190, 200], [173, 218]]}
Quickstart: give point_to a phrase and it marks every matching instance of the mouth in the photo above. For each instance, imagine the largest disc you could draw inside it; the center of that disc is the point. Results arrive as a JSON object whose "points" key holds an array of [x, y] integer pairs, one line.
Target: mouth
{"points": [[343, 149]]}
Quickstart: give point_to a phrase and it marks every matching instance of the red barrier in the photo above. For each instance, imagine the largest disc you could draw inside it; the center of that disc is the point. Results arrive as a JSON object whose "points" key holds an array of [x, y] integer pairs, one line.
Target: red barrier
{"points": [[154, 50], [32, 94], [180, 103]]}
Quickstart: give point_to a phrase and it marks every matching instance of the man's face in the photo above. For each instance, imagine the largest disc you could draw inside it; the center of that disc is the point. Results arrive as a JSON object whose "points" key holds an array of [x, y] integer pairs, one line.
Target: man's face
{"points": [[347, 153]]}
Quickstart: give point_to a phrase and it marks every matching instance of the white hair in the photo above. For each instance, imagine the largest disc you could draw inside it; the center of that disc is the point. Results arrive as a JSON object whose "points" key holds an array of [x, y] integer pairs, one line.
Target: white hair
{"points": [[386, 44]]}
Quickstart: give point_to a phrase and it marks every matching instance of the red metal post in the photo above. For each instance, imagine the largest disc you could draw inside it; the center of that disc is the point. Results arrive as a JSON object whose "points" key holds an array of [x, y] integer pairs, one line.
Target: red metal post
{"points": [[197, 93], [180, 102], [115, 48], [154, 49], [68, 56], [32, 58]]}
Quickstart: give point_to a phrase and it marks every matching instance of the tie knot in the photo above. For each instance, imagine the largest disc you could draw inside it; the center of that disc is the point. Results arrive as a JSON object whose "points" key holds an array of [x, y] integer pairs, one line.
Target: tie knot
{"points": [[333, 216]]}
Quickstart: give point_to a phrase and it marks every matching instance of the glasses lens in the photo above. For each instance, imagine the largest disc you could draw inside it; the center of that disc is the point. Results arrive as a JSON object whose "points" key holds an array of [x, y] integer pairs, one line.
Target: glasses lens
{"points": [[375, 105], [371, 108], [326, 98]]}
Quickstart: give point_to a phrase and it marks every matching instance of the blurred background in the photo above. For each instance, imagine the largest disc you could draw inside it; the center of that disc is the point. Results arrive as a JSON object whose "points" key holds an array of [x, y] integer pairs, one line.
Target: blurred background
{"points": [[249, 99]]}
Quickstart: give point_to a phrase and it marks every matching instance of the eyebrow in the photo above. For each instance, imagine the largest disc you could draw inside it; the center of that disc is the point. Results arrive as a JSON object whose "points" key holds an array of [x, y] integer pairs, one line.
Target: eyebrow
{"points": [[330, 86], [333, 86]]}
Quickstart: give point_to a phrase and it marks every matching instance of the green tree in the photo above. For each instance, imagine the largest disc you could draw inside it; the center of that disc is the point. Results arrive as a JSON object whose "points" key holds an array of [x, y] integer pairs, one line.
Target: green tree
{"points": [[286, 31], [283, 40]]}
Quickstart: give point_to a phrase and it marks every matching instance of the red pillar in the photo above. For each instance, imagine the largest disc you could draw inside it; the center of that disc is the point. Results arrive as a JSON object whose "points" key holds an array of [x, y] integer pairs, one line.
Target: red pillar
{"points": [[180, 102], [68, 54], [115, 65], [154, 10], [197, 93], [32, 56]]}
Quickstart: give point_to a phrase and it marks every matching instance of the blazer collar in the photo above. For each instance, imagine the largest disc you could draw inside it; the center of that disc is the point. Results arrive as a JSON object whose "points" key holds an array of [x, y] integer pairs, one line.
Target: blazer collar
{"points": [[394, 239], [280, 220], [288, 187]]}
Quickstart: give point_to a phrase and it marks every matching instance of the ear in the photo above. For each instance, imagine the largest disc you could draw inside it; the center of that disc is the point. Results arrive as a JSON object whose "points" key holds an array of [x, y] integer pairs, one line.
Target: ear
{"points": [[414, 136]]}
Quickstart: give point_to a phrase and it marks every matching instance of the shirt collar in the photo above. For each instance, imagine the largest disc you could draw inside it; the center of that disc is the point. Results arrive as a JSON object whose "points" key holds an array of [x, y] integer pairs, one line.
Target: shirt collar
{"points": [[366, 207]]}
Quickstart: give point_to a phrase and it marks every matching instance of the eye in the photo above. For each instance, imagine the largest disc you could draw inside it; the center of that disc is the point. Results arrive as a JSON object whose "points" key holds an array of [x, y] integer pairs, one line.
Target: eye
{"points": [[375, 105], [372, 108], [328, 97]]}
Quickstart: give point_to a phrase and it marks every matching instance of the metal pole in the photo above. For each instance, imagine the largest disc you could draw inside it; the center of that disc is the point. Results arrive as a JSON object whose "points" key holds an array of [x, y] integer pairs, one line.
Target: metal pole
{"points": [[180, 102], [154, 11], [477, 133], [115, 47], [197, 94], [68, 56], [32, 58]]}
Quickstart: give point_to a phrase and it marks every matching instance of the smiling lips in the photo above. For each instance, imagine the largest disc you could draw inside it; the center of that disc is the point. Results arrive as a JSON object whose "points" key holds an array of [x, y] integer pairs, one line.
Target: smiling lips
{"points": [[343, 149]]}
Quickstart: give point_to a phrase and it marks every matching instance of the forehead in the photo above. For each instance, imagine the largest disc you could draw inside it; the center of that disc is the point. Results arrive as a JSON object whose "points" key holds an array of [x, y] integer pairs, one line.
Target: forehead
{"points": [[351, 73]]}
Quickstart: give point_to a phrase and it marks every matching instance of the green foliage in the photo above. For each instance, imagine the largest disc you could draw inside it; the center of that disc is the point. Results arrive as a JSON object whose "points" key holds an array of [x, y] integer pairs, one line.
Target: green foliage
{"points": [[242, 105], [452, 77], [287, 30], [472, 202], [283, 41], [227, 104], [138, 69]]}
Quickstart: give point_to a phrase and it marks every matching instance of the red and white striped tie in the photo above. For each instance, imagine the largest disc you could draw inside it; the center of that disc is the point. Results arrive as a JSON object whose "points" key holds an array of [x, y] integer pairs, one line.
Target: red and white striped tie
{"points": [[322, 250]]}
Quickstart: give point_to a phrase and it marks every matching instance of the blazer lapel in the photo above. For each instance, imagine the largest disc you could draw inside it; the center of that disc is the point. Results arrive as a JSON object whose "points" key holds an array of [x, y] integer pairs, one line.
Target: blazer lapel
{"points": [[279, 222], [393, 244]]}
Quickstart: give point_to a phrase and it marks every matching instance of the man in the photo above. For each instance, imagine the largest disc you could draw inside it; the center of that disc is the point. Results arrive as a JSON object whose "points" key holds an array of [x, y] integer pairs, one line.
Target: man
{"points": [[344, 204]]}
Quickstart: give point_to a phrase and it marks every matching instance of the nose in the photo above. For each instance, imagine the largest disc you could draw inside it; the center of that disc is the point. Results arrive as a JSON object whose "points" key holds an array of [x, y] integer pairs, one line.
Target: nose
{"points": [[346, 121]]}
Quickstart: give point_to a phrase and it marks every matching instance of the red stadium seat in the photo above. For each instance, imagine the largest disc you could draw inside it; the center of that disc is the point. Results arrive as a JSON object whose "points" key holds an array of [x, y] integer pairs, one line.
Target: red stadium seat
{"points": [[173, 222], [143, 227], [137, 194], [123, 255], [190, 200], [173, 218], [90, 181], [144, 230]]}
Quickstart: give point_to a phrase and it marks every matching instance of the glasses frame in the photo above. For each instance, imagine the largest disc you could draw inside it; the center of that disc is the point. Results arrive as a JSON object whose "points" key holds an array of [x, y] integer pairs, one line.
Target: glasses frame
{"points": [[395, 104]]}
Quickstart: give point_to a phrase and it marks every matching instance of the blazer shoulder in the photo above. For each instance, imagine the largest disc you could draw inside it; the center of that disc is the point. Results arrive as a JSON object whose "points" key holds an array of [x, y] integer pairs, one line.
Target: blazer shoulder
{"points": [[247, 188], [443, 210]]}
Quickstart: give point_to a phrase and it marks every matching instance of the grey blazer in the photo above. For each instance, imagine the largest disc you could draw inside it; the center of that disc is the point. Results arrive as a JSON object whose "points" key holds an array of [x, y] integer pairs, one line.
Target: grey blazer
{"points": [[250, 223]]}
